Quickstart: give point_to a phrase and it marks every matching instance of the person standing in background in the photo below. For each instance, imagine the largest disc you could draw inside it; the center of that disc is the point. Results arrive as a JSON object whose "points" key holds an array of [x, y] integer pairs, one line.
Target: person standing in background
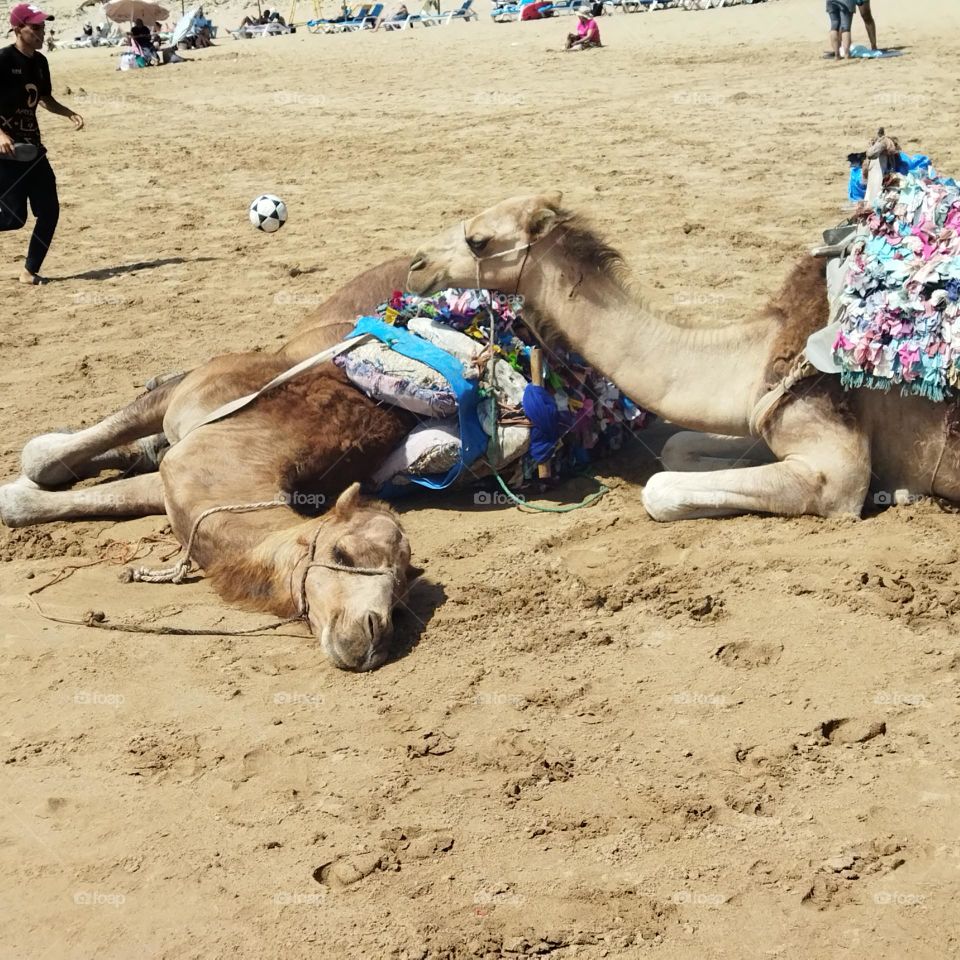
{"points": [[25, 172]]}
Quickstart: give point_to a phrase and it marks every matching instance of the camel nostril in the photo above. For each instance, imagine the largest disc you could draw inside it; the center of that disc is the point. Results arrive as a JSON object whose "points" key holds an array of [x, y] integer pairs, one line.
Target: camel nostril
{"points": [[374, 626], [418, 262]]}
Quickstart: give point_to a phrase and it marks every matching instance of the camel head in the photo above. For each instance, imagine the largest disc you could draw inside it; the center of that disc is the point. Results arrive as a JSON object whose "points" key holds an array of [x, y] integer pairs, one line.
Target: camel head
{"points": [[359, 571], [489, 250]]}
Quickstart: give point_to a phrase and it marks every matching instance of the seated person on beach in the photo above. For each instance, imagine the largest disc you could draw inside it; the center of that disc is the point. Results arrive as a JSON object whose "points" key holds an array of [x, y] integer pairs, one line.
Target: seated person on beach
{"points": [[260, 21], [88, 29], [140, 35], [588, 33], [202, 30], [401, 16], [538, 10]]}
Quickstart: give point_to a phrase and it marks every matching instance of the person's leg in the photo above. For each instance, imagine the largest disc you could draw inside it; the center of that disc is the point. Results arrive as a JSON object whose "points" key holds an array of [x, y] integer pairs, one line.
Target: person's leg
{"points": [[45, 204], [13, 194], [834, 14], [867, 16], [846, 21]]}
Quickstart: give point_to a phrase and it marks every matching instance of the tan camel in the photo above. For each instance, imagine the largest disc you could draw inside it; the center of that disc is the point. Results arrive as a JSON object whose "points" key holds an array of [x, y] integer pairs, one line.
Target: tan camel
{"points": [[831, 447], [298, 446]]}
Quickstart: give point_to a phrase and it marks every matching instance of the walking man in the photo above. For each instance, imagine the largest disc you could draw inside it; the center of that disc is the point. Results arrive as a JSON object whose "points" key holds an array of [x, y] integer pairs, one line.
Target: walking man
{"points": [[25, 173]]}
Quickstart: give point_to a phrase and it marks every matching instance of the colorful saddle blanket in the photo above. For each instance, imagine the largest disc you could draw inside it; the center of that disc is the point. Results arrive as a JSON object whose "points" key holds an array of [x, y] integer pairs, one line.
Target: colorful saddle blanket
{"points": [[575, 417], [899, 309]]}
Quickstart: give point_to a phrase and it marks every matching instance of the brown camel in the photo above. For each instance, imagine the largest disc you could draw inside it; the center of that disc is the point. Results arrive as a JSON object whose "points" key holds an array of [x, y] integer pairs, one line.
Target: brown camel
{"points": [[295, 448], [831, 447]]}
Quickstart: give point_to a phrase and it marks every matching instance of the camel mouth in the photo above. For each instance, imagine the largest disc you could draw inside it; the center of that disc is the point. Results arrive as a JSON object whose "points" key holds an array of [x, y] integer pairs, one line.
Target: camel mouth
{"points": [[376, 655]]}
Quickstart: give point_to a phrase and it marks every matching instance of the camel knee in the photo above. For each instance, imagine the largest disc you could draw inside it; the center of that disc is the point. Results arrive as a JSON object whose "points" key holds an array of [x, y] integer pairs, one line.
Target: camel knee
{"points": [[663, 499], [20, 503], [46, 460]]}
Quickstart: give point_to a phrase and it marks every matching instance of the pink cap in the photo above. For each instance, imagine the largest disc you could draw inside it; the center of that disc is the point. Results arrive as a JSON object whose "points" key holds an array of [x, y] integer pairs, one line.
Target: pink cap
{"points": [[24, 13]]}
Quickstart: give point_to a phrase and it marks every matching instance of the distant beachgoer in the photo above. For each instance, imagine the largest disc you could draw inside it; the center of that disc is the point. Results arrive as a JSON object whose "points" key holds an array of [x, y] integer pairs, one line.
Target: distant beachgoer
{"points": [[538, 10], [588, 33], [867, 16], [398, 19], [841, 18], [88, 29], [140, 35], [25, 172]]}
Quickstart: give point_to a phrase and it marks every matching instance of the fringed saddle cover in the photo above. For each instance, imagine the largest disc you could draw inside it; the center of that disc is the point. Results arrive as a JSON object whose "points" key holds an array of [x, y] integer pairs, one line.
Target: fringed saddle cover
{"points": [[899, 311]]}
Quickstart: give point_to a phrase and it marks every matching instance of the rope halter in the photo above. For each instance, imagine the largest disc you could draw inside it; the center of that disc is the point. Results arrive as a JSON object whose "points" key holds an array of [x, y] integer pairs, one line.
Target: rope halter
{"points": [[525, 247]]}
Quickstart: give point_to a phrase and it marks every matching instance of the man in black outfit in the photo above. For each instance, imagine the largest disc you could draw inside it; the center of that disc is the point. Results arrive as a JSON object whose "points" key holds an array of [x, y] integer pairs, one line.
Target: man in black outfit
{"points": [[25, 172]]}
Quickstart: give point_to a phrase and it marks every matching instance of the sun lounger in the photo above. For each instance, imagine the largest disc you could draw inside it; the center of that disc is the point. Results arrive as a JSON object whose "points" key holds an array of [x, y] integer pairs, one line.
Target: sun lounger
{"points": [[464, 12], [364, 21], [261, 30]]}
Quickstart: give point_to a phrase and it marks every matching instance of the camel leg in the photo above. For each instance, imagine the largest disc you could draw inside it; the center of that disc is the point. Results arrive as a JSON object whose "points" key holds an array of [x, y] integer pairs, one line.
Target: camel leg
{"points": [[53, 459], [23, 503], [689, 452], [824, 469]]}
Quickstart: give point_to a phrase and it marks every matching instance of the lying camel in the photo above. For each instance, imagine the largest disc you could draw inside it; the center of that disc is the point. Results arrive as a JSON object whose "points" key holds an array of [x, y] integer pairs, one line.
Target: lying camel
{"points": [[299, 445], [831, 447]]}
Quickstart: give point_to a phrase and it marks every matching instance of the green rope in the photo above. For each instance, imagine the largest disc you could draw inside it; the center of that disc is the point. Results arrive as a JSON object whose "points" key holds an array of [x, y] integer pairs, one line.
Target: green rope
{"points": [[587, 501]]}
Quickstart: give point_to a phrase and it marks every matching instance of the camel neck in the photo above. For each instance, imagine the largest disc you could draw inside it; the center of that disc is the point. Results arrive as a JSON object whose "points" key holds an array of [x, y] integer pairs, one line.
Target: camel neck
{"points": [[699, 378]]}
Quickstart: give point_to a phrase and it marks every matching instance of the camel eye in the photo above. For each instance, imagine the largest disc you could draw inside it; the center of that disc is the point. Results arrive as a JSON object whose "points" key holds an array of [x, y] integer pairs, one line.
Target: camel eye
{"points": [[477, 244], [342, 558]]}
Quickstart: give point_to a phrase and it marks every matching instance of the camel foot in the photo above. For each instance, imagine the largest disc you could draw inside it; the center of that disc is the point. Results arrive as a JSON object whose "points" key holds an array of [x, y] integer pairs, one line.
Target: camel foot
{"points": [[17, 502], [40, 460]]}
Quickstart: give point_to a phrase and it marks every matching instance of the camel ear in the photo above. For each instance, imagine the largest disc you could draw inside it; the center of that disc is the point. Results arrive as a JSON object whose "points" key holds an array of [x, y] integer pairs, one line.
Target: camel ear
{"points": [[543, 214], [348, 501]]}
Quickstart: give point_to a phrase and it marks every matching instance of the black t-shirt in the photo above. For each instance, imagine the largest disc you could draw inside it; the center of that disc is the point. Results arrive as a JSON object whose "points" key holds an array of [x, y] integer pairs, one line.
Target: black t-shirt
{"points": [[23, 81]]}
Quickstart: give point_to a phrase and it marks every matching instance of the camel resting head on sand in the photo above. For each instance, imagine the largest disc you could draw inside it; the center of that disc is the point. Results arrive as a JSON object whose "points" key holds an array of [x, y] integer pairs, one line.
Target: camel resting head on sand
{"points": [[344, 573]]}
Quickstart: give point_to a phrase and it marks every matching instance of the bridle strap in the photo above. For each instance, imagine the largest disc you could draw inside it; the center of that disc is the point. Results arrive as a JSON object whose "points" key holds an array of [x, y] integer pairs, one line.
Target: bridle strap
{"points": [[340, 567], [525, 247]]}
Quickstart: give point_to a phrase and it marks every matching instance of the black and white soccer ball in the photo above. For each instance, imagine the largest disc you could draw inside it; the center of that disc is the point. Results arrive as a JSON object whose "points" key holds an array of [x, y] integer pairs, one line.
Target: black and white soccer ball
{"points": [[268, 213]]}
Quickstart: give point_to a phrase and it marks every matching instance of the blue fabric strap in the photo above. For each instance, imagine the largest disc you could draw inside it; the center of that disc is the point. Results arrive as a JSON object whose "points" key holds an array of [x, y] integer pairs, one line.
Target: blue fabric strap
{"points": [[473, 440]]}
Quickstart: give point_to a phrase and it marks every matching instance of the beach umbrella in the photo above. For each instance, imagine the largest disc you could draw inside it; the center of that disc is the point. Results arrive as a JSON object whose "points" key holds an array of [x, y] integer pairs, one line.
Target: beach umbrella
{"points": [[183, 27], [123, 11]]}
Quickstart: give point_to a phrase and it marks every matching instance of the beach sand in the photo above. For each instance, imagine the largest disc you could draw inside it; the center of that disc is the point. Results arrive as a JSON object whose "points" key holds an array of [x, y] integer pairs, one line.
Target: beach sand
{"points": [[609, 738]]}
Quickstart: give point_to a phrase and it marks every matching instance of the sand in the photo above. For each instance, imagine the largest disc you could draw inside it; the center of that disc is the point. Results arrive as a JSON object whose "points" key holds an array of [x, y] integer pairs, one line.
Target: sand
{"points": [[605, 737]]}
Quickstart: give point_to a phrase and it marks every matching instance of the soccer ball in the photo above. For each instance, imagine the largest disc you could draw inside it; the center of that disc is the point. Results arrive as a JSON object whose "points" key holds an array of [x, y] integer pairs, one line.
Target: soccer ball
{"points": [[268, 213]]}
